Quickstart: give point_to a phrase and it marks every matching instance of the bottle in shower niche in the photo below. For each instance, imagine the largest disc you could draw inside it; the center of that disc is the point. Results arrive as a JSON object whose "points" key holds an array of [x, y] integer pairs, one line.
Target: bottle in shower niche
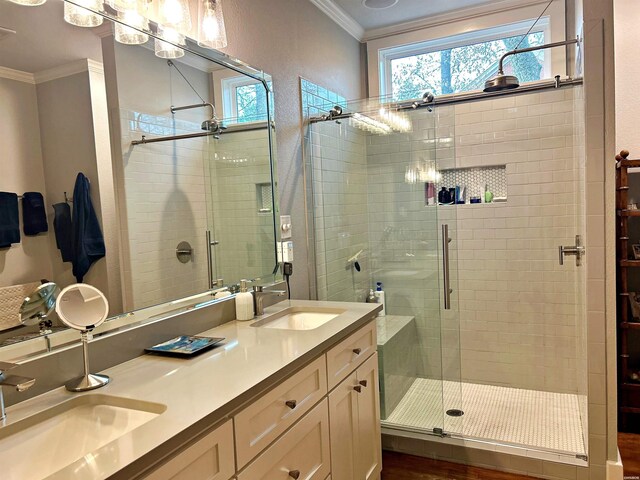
{"points": [[244, 303], [380, 299]]}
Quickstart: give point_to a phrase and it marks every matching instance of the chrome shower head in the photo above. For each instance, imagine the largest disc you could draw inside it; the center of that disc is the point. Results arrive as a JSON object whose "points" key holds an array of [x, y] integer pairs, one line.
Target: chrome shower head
{"points": [[211, 125], [501, 82]]}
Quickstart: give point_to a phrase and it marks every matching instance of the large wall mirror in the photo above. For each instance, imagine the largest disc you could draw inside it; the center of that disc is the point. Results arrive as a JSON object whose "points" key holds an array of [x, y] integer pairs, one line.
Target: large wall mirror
{"points": [[175, 147]]}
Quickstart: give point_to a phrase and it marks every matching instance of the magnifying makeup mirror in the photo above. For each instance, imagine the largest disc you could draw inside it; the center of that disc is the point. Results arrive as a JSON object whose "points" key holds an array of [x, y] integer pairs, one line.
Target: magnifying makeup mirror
{"points": [[38, 306], [83, 307]]}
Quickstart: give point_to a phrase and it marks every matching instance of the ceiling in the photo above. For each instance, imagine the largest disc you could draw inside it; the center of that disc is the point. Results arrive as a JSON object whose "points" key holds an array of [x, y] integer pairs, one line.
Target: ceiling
{"points": [[43, 40], [403, 11]]}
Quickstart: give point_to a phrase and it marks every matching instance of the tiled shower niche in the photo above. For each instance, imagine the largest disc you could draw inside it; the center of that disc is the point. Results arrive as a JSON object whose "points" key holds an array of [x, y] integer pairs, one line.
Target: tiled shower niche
{"points": [[476, 181]]}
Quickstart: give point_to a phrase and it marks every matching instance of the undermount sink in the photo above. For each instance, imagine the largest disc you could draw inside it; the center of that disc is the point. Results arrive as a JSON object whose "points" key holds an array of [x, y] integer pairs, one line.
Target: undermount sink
{"points": [[299, 318], [50, 440]]}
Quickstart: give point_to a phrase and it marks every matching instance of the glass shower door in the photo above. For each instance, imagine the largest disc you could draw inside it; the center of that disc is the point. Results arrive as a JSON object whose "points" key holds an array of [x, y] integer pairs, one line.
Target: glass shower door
{"points": [[377, 220], [417, 261]]}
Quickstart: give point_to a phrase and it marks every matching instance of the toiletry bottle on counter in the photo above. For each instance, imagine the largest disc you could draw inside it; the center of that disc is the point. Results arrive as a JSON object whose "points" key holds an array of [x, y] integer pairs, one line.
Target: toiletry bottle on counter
{"points": [[380, 299], [244, 303]]}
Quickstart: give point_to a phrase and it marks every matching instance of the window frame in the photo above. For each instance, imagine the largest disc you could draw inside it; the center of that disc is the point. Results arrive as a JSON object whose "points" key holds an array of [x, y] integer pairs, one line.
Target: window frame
{"points": [[387, 55], [225, 85]]}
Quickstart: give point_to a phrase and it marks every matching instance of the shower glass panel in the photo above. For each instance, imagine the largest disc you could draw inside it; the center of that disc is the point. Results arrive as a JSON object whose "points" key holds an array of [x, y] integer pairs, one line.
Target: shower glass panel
{"points": [[240, 203], [509, 356], [377, 220]]}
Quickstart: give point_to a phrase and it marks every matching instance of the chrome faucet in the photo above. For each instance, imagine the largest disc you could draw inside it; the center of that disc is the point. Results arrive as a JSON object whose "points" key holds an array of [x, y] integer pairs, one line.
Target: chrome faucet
{"points": [[258, 297], [20, 383]]}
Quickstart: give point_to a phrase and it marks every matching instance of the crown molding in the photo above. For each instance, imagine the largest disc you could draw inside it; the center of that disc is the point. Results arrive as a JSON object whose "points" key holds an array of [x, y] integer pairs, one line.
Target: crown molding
{"points": [[17, 75], [449, 17], [68, 69], [342, 18]]}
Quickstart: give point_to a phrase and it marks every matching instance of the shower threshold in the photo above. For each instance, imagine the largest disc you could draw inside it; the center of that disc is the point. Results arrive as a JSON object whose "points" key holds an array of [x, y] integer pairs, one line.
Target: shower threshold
{"points": [[529, 423]]}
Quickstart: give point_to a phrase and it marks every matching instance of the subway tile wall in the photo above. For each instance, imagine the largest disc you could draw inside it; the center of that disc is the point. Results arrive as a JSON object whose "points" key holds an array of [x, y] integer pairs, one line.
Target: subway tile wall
{"points": [[239, 166], [166, 204], [177, 190], [520, 315]]}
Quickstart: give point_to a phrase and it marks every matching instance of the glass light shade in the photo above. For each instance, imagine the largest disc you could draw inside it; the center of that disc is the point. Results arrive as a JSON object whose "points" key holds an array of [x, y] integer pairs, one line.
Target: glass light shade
{"points": [[80, 16], [28, 3], [174, 14], [128, 35], [211, 30], [165, 49]]}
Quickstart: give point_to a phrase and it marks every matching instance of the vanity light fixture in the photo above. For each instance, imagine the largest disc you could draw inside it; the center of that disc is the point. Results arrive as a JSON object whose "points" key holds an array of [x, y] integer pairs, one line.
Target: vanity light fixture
{"points": [[128, 35], [167, 50], [80, 15], [211, 29], [174, 14]]}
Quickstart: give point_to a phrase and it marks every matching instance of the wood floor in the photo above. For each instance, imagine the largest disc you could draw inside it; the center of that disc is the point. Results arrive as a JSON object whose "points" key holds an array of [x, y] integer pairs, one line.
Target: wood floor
{"points": [[629, 445], [397, 466]]}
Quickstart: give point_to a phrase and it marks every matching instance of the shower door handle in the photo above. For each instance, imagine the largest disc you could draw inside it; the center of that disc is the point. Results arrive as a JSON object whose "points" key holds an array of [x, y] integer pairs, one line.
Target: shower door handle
{"points": [[446, 279], [578, 250], [212, 283]]}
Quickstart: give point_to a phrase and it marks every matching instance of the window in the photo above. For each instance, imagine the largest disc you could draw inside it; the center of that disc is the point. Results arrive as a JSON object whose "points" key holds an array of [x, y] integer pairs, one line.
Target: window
{"points": [[245, 100], [461, 63]]}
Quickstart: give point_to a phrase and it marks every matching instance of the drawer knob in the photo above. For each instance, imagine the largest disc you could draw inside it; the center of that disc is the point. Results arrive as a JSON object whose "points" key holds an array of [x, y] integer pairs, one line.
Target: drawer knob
{"points": [[291, 404], [363, 383], [357, 351], [358, 388], [294, 474]]}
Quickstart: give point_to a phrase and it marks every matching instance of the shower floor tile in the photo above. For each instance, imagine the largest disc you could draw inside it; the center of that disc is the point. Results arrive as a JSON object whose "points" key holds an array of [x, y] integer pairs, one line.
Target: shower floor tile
{"points": [[531, 418]]}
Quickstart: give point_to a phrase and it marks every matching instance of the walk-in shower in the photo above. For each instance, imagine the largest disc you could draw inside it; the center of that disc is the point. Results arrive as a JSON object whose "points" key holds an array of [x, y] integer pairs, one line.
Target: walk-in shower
{"points": [[484, 340]]}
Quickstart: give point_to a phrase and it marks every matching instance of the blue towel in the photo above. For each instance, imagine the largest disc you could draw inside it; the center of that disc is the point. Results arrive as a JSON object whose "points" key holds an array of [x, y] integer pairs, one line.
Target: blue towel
{"points": [[9, 219], [88, 242], [34, 216], [64, 230]]}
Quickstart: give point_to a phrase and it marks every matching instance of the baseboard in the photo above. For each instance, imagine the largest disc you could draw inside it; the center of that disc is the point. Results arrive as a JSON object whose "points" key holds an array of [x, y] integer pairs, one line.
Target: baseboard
{"points": [[614, 469]]}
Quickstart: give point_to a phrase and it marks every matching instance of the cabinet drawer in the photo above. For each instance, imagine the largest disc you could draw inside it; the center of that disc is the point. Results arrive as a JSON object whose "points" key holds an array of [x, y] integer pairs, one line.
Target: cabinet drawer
{"points": [[268, 417], [210, 458], [304, 448], [345, 357]]}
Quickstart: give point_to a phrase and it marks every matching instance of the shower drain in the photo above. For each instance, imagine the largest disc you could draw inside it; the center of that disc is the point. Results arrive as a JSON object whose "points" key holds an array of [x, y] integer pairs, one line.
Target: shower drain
{"points": [[454, 412]]}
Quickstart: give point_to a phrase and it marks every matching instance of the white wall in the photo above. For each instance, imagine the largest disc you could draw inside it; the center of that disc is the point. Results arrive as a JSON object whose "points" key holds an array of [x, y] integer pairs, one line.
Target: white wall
{"points": [[627, 79], [68, 147], [288, 39], [22, 169], [484, 19]]}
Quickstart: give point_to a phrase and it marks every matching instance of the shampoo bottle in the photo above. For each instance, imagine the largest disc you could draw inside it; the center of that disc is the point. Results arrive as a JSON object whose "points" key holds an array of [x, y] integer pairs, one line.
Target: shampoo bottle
{"points": [[244, 303], [380, 299]]}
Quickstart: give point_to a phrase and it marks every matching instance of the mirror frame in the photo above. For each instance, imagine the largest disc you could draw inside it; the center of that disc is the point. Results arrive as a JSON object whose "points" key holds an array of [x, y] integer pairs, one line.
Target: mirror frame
{"points": [[120, 323]]}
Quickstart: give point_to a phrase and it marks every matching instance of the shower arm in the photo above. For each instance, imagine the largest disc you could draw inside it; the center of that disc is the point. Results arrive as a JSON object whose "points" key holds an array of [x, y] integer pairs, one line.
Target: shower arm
{"points": [[197, 105], [533, 49]]}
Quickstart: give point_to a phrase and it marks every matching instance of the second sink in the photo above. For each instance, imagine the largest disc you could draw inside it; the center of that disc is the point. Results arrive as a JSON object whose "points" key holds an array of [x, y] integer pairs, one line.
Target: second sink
{"points": [[299, 318]]}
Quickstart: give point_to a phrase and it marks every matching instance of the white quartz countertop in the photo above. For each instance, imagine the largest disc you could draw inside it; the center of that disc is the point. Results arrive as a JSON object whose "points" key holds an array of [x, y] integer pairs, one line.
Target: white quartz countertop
{"points": [[205, 388]]}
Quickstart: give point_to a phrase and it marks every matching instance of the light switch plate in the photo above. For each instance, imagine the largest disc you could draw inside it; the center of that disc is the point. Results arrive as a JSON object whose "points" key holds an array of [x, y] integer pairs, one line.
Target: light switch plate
{"points": [[285, 226]]}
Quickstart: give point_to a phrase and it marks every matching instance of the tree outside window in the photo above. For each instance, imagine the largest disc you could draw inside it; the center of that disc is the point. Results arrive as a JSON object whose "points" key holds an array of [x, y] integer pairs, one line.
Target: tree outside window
{"points": [[251, 103], [464, 68]]}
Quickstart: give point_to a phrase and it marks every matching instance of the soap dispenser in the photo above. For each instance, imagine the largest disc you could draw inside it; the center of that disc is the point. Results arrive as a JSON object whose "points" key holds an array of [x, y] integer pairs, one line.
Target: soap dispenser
{"points": [[244, 303], [380, 299]]}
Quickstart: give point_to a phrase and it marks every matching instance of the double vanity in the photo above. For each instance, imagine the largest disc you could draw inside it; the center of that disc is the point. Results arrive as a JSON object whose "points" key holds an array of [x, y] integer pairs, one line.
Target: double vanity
{"points": [[292, 394]]}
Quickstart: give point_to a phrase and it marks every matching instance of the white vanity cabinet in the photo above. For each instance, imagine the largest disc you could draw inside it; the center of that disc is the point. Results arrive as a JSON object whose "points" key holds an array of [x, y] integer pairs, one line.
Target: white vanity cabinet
{"points": [[210, 458], [321, 423], [354, 421]]}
